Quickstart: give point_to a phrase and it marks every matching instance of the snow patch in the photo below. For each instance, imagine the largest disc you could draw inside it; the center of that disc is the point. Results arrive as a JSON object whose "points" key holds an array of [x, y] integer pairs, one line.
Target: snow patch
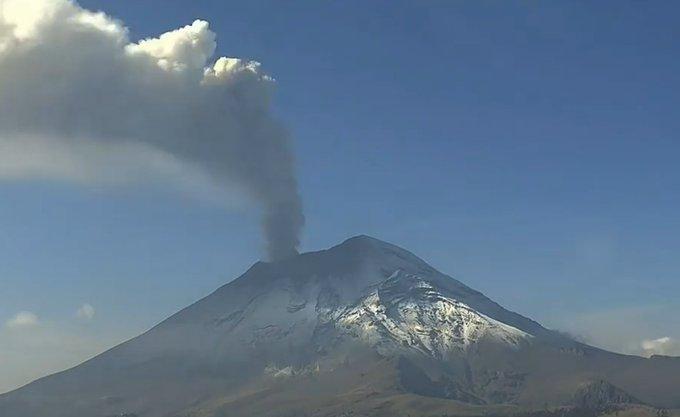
{"points": [[407, 312]]}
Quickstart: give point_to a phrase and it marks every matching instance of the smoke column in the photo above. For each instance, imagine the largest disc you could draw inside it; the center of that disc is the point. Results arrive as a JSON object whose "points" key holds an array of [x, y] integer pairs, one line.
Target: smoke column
{"points": [[80, 102]]}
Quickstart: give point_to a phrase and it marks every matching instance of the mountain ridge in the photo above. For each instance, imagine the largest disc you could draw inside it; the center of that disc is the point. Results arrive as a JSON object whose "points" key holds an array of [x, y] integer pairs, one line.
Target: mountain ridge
{"points": [[316, 315]]}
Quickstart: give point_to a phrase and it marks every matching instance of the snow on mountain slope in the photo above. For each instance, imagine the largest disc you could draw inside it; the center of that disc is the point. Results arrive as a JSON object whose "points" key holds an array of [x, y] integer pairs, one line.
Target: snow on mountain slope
{"points": [[408, 313], [280, 307], [362, 315]]}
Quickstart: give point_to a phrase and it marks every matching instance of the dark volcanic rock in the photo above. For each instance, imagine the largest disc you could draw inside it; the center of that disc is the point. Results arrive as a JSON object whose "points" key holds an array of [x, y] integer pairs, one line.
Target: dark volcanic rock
{"points": [[602, 394]]}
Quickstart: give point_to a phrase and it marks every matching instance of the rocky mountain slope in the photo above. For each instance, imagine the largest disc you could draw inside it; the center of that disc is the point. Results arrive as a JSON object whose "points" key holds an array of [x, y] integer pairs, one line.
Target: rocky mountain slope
{"points": [[364, 327]]}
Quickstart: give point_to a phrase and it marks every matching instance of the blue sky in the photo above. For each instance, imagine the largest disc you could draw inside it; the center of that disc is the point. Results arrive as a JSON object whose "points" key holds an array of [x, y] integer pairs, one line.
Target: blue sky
{"points": [[529, 149]]}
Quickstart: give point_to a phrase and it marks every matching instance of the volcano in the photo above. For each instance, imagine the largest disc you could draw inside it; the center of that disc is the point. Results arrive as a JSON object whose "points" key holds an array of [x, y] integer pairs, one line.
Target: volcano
{"points": [[362, 329]]}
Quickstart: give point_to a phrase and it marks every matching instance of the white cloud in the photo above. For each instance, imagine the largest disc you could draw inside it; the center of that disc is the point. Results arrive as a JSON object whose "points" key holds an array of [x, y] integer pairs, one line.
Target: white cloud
{"points": [[626, 329], [661, 346], [180, 50], [81, 102], [86, 312], [22, 319]]}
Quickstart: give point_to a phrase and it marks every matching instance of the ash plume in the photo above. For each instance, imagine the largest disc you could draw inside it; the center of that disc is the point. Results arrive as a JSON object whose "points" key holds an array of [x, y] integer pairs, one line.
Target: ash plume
{"points": [[81, 102]]}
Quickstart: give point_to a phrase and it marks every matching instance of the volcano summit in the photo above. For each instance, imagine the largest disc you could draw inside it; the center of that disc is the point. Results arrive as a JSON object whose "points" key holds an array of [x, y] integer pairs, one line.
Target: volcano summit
{"points": [[362, 329]]}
